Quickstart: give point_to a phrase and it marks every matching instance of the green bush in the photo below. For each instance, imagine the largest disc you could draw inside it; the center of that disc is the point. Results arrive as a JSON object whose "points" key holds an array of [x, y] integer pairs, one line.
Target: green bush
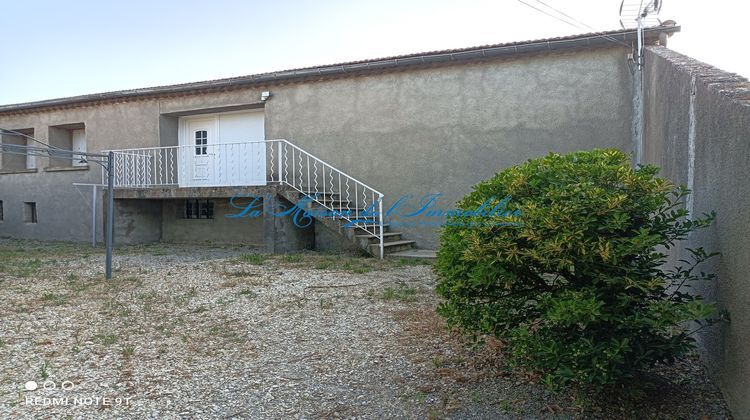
{"points": [[571, 275]]}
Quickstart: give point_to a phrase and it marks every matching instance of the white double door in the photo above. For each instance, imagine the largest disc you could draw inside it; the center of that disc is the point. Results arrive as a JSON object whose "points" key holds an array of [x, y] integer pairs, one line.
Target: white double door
{"points": [[225, 149]]}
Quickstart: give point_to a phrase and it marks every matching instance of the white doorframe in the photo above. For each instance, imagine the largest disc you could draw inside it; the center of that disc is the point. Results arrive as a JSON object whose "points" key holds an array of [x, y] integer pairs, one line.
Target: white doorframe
{"points": [[199, 159], [234, 164]]}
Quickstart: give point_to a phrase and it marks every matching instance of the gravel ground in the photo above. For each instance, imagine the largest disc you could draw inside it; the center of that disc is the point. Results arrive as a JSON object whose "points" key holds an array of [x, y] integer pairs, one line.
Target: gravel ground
{"points": [[212, 332]]}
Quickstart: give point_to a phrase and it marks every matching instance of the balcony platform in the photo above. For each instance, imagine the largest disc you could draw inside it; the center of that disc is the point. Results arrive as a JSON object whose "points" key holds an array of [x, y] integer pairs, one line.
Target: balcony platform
{"points": [[175, 192]]}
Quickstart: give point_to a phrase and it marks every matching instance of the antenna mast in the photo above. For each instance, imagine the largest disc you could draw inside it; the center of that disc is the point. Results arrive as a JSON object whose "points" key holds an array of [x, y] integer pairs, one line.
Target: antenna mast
{"points": [[639, 14]]}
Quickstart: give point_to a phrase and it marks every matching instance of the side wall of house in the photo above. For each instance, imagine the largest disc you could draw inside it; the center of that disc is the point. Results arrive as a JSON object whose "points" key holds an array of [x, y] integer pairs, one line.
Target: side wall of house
{"points": [[698, 132], [442, 130], [415, 132]]}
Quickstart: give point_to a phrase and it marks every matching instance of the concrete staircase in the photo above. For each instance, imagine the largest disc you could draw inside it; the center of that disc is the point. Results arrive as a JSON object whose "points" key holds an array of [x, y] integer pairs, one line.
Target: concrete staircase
{"points": [[365, 239]]}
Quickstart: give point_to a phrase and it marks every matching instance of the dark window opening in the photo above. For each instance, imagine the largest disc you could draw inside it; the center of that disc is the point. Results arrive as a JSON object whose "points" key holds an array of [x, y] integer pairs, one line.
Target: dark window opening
{"points": [[1, 210], [68, 137], [29, 212], [199, 209]]}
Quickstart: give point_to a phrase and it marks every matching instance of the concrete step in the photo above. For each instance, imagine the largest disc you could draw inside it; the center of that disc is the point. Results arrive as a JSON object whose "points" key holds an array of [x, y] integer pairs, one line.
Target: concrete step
{"points": [[353, 212], [386, 227], [321, 194], [343, 204], [387, 237], [336, 193], [341, 197], [416, 254], [344, 209], [389, 247]]}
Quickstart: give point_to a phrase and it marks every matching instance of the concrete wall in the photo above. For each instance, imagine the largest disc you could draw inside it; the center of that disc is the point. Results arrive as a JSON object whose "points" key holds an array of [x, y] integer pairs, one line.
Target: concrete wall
{"points": [[137, 221], [432, 130], [168, 128], [327, 240], [220, 229], [698, 130], [281, 234], [442, 130]]}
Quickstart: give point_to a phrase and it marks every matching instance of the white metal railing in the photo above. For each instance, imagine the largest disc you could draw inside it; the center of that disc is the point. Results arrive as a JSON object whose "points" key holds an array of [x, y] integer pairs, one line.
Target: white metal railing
{"points": [[225, 164], [141, 168], [254, 163]]}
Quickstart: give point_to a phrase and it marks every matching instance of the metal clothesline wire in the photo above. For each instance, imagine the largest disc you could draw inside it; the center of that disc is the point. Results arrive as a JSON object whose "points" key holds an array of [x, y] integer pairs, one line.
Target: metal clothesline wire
{"points": [[17, 149], [18, 133]]}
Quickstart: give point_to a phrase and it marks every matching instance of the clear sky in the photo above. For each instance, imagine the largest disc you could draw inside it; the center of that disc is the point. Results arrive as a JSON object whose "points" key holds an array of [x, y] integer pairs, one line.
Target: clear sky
{"points": [[53, 49]]}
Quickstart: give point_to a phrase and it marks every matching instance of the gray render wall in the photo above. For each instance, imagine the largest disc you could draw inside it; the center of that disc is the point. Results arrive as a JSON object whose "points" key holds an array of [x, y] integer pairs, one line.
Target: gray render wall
{"points": [[718, 125], [248, 231], [443, 130], [137, 221], [433, 130]]}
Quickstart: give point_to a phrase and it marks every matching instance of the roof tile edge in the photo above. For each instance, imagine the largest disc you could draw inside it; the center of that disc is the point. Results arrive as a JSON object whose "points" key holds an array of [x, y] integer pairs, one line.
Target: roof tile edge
{"points": [[597, 39]]}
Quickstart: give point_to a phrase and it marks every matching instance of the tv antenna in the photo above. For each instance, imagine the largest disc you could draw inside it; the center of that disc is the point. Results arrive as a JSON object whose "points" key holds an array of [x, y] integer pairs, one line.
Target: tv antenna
{"points": [[639, 14]]}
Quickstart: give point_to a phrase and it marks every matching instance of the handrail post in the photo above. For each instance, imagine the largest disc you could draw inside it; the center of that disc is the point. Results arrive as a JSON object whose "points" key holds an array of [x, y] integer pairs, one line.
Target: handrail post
{"points": [[380, 225], [281, 174]]}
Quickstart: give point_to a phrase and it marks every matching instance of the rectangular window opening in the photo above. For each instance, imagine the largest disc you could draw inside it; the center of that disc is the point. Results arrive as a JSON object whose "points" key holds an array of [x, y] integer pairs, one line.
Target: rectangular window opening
{"points": [[29, 212], [198, 209], [1, 210], [14, 142], [69, 138]]}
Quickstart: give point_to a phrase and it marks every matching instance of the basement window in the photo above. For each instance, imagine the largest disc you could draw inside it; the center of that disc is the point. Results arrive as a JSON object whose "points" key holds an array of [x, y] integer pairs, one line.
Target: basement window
{"points": [[29, 212], [198, 209], [1, 210]]}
